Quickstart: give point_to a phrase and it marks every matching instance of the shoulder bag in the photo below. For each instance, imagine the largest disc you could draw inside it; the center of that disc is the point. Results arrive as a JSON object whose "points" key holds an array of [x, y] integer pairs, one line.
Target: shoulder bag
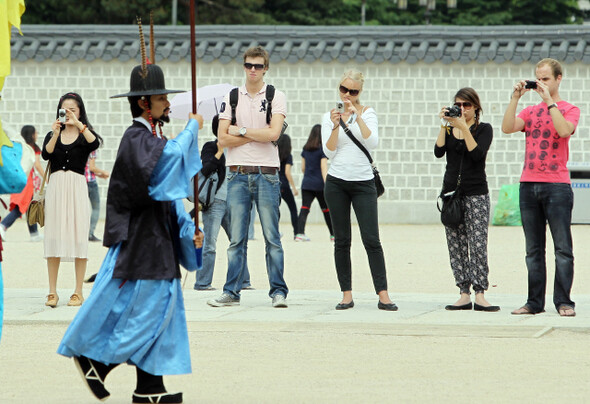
{"points": [[36, 210], [378, 183], [451, 211]]}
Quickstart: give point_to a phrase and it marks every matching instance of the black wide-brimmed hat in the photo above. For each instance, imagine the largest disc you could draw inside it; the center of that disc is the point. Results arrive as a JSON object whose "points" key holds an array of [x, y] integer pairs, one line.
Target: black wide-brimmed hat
{"points": [[152, 84]]}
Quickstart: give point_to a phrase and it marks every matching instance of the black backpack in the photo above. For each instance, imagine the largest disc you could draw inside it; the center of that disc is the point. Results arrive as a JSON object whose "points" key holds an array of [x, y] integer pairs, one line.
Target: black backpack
{"points": [[207, 189], [270, 95]]}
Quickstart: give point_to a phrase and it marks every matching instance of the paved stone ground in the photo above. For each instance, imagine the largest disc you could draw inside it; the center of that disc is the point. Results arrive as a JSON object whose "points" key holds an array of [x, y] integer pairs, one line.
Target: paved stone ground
{"points": [[312, 353]]}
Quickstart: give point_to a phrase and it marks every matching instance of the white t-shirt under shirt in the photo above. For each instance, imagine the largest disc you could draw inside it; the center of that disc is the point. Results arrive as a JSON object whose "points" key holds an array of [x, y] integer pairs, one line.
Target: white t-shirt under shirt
{"points": [[251, 113], [348, 162]]}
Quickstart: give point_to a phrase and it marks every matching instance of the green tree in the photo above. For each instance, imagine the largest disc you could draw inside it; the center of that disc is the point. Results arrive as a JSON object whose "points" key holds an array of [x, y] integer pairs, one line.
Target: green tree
{"points": [[306, 12]]}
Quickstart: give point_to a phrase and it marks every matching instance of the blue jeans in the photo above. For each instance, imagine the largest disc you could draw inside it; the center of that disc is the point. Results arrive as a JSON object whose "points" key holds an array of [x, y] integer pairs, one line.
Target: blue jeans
{"points": [[95, 203], [542, 203], [214, 218], [11, 218], [243, 190]]}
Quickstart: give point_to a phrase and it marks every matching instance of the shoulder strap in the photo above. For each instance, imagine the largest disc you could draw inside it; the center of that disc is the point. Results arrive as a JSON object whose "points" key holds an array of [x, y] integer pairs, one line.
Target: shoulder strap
{"points": [[270, 95], [356, 141], [233, 102]]}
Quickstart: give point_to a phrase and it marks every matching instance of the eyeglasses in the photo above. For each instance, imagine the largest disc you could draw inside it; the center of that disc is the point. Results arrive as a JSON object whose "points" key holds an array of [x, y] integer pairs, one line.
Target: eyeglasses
{"points": [[350, 91], [466, 105], [257, 66]]}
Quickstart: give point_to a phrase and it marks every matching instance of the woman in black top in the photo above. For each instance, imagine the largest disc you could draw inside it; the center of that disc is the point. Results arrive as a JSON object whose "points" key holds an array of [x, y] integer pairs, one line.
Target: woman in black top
{"points": [[465, 138], [67, 208], [287, 183]]}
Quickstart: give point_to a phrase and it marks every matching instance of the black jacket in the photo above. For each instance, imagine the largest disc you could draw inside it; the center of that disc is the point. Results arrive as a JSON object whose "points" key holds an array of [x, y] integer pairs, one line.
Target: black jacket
{"points": [[147, 229]]}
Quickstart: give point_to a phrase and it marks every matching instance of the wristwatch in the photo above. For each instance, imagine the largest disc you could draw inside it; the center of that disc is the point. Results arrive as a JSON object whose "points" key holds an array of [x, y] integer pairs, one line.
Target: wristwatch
{"points": [[554, 105], [242, 131]]}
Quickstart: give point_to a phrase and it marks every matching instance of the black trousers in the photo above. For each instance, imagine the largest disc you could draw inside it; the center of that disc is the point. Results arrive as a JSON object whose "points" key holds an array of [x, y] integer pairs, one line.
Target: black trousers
{"points": [[287, 196], [306, 201], [362, 196]]}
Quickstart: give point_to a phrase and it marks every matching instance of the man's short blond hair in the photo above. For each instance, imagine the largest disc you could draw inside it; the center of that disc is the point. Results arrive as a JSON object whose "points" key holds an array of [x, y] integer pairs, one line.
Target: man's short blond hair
{"points": [[553, 64]]}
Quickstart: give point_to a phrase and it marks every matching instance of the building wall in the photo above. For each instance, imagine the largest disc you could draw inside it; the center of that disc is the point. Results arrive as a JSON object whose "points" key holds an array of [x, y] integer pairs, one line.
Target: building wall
{"points": [[406, 97]]}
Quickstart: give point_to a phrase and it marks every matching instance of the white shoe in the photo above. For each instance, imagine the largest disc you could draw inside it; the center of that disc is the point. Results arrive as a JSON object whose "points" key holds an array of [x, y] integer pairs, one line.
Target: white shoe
{"points": [[224, 300], [37, 237], [302, 237], [2, 232], [278, 300]]}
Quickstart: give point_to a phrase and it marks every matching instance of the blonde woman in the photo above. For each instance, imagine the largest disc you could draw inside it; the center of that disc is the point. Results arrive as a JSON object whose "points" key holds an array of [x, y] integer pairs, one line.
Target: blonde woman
{"points": [[350, 183]]}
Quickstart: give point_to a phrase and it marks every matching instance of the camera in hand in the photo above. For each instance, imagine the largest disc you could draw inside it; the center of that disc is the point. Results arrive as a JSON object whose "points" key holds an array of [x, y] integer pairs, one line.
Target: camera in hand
{"points": [[62, 115], [340, 107], [530, 84], [453, 112]]}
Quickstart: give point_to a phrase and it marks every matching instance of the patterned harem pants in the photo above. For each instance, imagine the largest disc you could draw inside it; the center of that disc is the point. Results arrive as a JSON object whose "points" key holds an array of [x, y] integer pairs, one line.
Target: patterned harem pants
{"points": [[468, 245]]}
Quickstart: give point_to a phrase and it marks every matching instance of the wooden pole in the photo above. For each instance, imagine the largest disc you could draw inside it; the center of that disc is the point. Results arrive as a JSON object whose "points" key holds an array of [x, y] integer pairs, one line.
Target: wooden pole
{"points": [[194, 100]]}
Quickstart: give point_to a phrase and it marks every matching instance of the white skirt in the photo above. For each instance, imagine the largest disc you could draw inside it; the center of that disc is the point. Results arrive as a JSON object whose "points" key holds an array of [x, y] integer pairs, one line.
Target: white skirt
{"points": [[67, 216]]}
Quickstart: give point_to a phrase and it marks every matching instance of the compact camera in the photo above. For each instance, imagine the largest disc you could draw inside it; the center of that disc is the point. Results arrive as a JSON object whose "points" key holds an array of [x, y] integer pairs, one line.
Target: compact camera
{"points": [[340, 107], [530, 84], [62, 115], [453, 112]]}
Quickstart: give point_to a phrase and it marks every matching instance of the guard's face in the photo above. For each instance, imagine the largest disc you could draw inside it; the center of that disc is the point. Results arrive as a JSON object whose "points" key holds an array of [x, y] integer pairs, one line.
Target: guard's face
{"points": [[160, 107]]}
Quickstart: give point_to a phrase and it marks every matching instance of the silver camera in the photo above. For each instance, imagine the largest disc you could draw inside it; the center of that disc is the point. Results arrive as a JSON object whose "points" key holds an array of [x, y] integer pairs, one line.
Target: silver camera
{"points": [[62, 115], [340, 107]]}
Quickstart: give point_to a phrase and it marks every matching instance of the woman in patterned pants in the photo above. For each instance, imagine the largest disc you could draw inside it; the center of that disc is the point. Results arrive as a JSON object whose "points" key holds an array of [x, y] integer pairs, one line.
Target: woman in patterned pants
{"points": [[465, 142]]}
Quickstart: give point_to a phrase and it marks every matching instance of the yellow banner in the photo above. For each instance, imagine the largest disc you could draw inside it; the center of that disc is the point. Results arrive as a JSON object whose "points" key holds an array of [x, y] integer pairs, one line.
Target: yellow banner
{"points": [[10, 13]]}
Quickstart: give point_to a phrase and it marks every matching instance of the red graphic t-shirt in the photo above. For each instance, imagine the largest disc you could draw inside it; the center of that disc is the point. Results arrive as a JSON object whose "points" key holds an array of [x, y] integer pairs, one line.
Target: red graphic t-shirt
{"points": [[546, 152]]}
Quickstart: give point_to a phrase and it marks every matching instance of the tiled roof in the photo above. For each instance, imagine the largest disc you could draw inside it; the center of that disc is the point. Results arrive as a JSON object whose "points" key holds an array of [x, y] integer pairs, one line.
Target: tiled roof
{"points": [[393, 44]]}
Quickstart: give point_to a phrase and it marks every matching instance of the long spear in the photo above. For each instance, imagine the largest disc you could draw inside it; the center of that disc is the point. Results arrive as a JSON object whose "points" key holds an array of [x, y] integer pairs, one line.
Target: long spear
{"points": [[194, 99]]}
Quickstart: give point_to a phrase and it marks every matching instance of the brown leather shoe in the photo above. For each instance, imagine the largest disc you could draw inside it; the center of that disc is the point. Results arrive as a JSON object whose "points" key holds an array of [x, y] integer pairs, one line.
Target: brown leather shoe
{"points": [[52, 300], [76, 300]]}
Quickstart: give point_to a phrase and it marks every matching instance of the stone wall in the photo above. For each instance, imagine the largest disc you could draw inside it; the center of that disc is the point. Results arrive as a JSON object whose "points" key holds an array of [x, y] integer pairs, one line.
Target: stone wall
{"points": [[407, 98]]}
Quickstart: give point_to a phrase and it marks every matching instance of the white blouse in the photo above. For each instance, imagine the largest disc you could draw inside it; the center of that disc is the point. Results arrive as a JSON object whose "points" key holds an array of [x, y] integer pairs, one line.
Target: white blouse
{"points": [[348, 162]]}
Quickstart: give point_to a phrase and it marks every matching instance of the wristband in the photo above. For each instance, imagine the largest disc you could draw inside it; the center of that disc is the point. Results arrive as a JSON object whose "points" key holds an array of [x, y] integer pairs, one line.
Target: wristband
{"points": [[335, 127], [83, 129]]}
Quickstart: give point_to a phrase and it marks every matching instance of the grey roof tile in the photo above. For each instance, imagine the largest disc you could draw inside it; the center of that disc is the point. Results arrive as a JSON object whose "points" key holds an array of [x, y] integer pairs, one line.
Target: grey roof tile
{"points": [[379, 44]]}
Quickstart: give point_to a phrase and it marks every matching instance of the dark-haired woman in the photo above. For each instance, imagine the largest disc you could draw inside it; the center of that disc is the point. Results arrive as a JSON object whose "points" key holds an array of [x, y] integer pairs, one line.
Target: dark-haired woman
{"points": [[286, 178], [67, 209], [314, 166], [465, 142], [19, 203]]}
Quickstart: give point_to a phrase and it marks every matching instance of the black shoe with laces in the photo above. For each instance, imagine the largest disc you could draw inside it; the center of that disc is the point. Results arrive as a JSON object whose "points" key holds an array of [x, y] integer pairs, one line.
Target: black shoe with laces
{"points": [[91, 377]]}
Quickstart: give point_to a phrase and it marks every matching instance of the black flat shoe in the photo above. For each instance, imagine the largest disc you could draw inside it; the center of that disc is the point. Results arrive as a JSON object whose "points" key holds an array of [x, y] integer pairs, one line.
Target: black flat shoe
{"points": [[344, 306], [167, 398], [387, 306], [452, 307], [91, 377], [478, 307]]}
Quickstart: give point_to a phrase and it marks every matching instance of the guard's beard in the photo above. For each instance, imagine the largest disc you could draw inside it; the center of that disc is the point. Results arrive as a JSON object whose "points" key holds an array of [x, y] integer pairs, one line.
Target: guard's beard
{"points": [[164, 118]]}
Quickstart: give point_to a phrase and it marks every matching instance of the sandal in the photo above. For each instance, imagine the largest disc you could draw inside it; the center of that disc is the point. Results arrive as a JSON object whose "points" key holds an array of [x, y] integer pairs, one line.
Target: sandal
{"points": [[522, 310], [566, 310], [52, 300], [76, 300]]}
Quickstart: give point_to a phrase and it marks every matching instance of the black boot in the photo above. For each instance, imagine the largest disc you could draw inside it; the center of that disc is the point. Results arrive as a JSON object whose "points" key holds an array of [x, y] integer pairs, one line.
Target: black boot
{"points": [[94, 373], [150, 389]]}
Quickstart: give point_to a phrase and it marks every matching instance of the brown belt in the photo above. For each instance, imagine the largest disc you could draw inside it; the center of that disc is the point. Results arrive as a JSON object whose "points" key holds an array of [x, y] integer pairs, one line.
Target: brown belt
{"points": [[253, 170]]}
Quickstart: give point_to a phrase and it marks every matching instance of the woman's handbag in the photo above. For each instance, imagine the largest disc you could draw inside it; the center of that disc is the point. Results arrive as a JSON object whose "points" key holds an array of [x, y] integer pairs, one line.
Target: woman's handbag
{"points": [[378, 183], [36, 210], [451, 212]]}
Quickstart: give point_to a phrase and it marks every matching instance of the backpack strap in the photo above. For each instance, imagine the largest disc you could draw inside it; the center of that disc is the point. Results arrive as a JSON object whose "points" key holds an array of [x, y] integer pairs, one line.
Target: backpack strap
{"points": [[270, 95], [233, 102]]}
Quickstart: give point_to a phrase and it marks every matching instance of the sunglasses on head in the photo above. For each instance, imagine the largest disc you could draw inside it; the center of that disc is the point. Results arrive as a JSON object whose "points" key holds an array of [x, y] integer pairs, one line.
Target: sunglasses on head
{"points": [[350, 91], [465, 105], [257, 66]]}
